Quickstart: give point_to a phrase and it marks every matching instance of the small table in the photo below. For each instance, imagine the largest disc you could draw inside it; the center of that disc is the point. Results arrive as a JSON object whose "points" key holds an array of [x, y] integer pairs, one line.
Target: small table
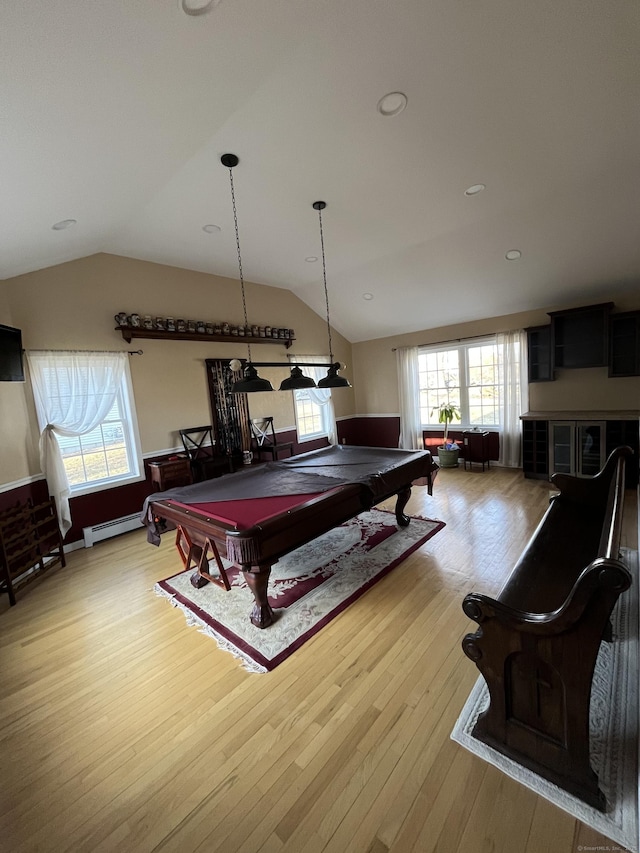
{"points": [[475, 447], [169, 473]]}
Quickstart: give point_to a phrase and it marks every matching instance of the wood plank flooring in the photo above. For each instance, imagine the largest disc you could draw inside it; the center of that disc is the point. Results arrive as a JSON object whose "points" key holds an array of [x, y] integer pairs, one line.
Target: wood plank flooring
{"points": [[122, 729]]}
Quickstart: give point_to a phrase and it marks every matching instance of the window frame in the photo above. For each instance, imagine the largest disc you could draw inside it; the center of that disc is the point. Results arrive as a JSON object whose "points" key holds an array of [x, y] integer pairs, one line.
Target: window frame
{"points": [[316, 373], [462, 348], [323, 412], [132, 442]]}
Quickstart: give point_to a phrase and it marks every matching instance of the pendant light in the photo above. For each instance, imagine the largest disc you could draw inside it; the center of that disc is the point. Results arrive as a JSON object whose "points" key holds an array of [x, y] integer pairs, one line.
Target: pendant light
{"points": [[297, 381], [251, 381], [331, 380]]}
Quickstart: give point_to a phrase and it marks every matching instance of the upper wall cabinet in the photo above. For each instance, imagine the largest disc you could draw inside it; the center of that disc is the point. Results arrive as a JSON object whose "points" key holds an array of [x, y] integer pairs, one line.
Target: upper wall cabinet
{"points": [[592, 336], [539, 352], [624, 344], [580, 336]]}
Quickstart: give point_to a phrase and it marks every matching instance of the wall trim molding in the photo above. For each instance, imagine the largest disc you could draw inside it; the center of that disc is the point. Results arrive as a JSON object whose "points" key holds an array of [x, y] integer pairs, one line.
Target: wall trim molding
{"points": [[385, 415], [152, 454], [18, 484]]}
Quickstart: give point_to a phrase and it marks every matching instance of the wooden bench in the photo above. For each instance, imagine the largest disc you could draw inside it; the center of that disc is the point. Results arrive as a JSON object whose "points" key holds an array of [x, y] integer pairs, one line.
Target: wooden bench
{"points": [[538, 640]]}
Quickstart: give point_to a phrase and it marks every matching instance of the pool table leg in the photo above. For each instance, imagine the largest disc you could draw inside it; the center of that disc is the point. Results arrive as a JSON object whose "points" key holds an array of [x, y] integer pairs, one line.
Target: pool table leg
{"points": [[403, 498], [257, 578]]}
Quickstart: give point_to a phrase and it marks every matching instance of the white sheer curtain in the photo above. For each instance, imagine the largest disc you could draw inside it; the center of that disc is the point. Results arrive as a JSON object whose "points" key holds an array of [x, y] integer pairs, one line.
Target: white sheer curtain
{"points": [[74, 392], [514, 396], [320, 396], [409, 396]]}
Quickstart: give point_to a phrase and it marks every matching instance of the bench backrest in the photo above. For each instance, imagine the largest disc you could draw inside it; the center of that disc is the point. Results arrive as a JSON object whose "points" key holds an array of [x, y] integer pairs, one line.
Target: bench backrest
{"points": [[582, 524]]}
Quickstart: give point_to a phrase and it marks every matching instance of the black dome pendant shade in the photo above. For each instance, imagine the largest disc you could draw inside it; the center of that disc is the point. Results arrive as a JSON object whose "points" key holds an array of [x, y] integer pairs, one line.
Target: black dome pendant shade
{"points": [[332, 380], [251, 382], [297, 381]]}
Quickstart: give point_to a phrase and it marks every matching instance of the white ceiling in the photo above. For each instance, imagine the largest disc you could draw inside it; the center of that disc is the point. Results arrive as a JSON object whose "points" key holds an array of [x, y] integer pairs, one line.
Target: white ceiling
{"points": [[116, 112]]}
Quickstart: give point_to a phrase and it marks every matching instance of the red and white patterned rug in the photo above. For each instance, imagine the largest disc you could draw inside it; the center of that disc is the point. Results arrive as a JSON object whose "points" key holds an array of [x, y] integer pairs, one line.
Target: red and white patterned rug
{"points": [[307, 588]]}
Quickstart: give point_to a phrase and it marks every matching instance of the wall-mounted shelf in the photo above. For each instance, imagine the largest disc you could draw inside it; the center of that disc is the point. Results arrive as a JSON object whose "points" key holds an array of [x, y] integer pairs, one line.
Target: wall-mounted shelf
{"points": [[130, 332]]}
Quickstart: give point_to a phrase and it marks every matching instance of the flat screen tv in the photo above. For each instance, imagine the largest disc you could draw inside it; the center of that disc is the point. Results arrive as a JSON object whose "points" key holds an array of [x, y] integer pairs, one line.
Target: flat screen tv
{"points": [[11, 364]]}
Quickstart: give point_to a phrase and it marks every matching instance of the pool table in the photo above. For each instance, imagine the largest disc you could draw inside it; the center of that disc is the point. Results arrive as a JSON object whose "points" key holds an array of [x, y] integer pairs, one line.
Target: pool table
{"points": [[257, 515]]}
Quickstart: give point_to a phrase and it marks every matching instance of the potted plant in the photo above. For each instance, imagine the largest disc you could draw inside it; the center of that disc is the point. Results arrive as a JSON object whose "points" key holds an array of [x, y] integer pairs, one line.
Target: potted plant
{"points": [[448, 451]]}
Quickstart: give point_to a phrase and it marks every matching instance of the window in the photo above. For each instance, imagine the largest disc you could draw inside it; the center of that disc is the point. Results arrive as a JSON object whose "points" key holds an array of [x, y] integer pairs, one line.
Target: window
{"points": [[315, 417], [87, 399], [469, 375], [310, 416], [106, 453]]}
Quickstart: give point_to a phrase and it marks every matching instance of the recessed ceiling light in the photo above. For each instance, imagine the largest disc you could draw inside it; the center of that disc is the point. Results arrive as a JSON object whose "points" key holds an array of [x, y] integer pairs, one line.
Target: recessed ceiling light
{"points": [[64, 223], [311, 259], [367, 296], [211, 229], [475, 189], [392, 104], [513, 254], [197, 7]]}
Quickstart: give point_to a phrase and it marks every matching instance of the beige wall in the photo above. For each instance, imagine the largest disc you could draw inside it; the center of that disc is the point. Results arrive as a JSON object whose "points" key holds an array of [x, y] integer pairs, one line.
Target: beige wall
{"points": [[376, 384], [72, 306], [18, 445]]}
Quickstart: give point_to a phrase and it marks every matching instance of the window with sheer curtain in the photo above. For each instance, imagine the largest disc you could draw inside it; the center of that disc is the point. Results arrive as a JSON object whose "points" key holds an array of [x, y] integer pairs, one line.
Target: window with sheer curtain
{"points": [[469, 375], [89, 436], [315, 416], [485, 378]]}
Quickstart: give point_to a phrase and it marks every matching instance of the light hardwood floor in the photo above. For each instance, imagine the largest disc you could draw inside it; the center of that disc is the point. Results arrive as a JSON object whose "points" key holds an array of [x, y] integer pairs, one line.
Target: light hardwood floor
{"points": [[122, 729]]}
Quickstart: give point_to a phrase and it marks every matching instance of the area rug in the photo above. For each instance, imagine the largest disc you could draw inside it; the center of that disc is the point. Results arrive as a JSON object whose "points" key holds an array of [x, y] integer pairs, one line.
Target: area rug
{"points": [[613, 726], [307, 589]]}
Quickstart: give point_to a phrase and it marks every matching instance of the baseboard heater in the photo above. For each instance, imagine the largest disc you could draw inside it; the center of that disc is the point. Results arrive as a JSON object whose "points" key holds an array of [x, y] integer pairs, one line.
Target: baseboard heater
{"points": [[110, 528]]}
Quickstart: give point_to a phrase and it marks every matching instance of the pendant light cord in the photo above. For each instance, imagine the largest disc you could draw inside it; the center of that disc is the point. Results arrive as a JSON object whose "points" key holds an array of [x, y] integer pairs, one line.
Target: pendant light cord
{"points": [[235, 222], [324, 276]]}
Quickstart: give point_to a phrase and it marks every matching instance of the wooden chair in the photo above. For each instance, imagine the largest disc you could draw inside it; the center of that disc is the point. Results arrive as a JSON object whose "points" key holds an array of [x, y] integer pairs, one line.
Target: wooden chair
{"points": [[265, 440], [200, 446]]}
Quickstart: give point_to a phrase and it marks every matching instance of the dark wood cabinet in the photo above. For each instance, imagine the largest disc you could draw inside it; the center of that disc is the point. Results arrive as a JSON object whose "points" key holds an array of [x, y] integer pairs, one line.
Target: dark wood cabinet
{"points": [[540, 354], [624, 344], [581, 336], [578, 442], [475, 447], [591, 336], [535, 449], [170, 473], [619, 434]]}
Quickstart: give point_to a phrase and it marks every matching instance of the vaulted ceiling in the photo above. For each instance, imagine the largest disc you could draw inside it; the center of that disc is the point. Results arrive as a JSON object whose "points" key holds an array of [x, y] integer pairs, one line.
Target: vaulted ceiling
{"points": [[115, 113]]}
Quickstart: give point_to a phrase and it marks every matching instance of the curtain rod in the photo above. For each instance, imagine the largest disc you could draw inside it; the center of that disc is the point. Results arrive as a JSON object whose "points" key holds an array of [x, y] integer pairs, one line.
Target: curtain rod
{"points": [[451, 341]]}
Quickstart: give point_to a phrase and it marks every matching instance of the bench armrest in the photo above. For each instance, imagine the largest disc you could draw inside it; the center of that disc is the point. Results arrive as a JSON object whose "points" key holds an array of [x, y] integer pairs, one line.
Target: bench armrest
{"points": [[600, 575]]}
